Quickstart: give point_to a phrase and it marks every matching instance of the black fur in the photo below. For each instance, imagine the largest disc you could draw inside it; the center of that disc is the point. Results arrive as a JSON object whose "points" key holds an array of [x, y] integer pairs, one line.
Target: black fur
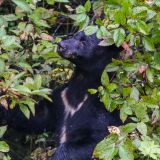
{"points": [[78, 130]]}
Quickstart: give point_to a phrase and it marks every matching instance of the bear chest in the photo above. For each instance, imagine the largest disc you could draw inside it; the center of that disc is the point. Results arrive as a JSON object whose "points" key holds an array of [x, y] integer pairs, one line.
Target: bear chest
{"points": [[70, 112], [69, 108]]}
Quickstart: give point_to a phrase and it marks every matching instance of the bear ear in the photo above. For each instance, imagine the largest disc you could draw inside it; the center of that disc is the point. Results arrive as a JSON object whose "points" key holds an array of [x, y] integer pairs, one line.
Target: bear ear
{"points": [[80, 35]]}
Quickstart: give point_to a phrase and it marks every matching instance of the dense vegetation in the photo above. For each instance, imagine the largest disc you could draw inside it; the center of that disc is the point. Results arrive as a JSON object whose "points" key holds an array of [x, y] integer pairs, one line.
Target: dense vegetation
{"points": [[29, 64]]}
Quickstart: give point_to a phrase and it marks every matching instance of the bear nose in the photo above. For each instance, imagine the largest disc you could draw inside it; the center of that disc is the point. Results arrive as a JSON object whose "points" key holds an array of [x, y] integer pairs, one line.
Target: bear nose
{"points": [[62, 47]]}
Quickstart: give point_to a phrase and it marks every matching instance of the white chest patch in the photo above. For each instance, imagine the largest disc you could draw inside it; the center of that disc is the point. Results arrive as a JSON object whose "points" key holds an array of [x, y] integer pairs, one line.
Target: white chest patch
{"points": [[69, 110], [63, 136]]}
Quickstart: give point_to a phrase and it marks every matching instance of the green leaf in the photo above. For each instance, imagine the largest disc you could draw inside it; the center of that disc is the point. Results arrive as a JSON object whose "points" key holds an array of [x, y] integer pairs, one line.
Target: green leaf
{"points": [[23, 5], [23, 89], [111, 87], [87, 6], [105, 79], [62, 1], [25, 110], [22, 26], [10, 17], [148, 148], [112, 26], [92, 91], [139, 9], [44, 91], [128, 128], [149, 74], [2, 66], [123, 115], [2, 31], [107, 42], [134, 93], [151, 14], [10, 42], [142, 27], [2, 130], [112, 67], [4, 146], [81, 17], [158, 3], [124, 112], [106, 100], [157, 58], [120, 17], [51, 2], [6, 157], [106, 149], [38, 81], [26, 66], [3, 22], [125, 152], [142, 128], [31, 105], [113, 105], [130, 67], [140, 110], [41, 23], [109, 153], [126, 92], [41, 93], [148, 44], [103, 32], [119, 36], [29, 28], [89, 30], [19, 76], [80, 10]]}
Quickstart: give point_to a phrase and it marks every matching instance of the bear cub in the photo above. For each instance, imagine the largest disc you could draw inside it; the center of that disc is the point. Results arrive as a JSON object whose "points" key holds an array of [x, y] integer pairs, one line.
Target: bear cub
{"points": [[83, 121], [78, 118]]}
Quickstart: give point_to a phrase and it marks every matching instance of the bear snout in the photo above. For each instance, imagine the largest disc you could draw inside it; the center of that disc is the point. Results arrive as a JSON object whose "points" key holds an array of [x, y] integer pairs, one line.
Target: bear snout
{"points": [[62, 48], [64, 51]]}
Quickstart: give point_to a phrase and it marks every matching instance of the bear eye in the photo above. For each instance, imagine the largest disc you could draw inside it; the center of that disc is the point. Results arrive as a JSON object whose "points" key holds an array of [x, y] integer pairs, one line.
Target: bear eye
{"points": [[83, 40]]}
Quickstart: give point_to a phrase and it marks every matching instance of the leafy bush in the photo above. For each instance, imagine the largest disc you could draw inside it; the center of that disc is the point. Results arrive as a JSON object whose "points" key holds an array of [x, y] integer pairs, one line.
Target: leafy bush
{"points": [[28, 63], [134, 87], [28, 57]]}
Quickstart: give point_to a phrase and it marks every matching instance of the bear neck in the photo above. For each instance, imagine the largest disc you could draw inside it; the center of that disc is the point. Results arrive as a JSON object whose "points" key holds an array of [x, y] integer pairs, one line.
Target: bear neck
{"points": [[81, 81], [88, 76]]}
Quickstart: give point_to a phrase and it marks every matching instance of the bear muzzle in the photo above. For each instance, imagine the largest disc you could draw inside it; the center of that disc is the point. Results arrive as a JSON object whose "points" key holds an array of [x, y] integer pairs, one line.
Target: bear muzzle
{"points": [[64, 52]]}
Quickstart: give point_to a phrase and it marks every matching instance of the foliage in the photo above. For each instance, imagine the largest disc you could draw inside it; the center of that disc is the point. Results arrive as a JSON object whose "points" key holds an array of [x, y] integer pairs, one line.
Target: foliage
{"points": [[29, 61], [4, 147], [134, 86]]}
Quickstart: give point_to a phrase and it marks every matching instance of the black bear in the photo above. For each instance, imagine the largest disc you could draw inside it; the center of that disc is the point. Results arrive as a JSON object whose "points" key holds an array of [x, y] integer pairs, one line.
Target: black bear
{"points": [[79, 119]]}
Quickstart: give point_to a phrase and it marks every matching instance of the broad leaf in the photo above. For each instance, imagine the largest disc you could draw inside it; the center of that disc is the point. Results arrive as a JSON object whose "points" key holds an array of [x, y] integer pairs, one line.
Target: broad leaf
{"points": [[4, 147], [148, 44], [89, 30], [25, 110], [125, 152], [22, 4], [88, 5], [119, 36], [142, 128], [2, 130], [105, 79]]}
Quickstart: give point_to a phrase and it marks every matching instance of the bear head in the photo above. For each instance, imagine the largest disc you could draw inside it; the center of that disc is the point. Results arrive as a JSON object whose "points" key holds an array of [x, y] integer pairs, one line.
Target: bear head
{"points": [[85, 51]]}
